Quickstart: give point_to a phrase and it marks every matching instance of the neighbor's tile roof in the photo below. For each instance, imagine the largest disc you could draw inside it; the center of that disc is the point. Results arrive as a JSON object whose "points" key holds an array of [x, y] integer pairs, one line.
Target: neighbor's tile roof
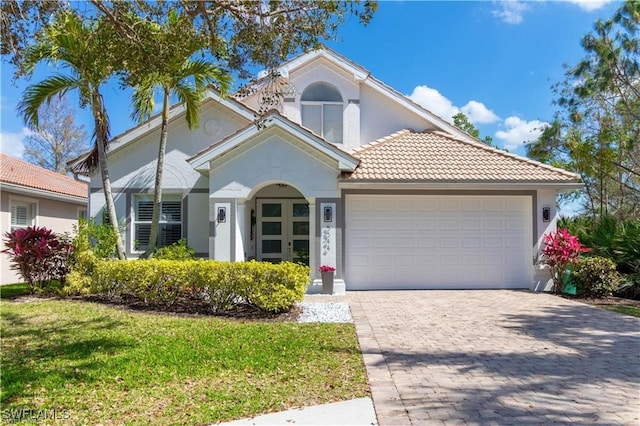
{"points": [[440, 157], [19, 172]]}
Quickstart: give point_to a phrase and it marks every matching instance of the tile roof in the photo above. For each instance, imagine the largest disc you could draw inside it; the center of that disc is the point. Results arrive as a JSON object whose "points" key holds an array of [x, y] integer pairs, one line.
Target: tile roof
{"points": [[21, 173], [439, 157]]}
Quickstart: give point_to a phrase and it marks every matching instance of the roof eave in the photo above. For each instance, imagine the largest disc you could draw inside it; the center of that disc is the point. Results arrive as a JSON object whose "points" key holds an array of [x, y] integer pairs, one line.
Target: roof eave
{"points": [[561, 186], [346, 162], [43, 193]]}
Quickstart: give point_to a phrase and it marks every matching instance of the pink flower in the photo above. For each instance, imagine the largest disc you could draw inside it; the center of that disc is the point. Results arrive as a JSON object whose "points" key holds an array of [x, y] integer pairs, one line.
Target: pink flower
{"points": [[326, 268]]}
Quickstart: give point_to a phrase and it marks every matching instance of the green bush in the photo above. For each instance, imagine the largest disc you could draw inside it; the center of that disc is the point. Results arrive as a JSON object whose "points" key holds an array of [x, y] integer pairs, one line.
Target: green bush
{"points": [[270, 287], [176, 251], [595, 276]]}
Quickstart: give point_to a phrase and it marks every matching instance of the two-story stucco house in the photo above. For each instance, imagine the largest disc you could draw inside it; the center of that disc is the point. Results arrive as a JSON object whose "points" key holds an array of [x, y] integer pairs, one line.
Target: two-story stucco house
{"points": [[33, 196], [350, 173]]}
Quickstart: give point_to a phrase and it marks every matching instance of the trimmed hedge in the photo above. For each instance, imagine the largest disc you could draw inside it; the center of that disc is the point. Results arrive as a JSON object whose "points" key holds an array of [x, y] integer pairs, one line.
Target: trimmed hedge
{"points": [[269, 287], [595, 276]]}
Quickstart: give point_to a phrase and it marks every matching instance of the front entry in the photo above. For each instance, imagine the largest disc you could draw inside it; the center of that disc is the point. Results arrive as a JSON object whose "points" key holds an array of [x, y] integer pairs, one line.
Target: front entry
{"points": [[283, 230]]}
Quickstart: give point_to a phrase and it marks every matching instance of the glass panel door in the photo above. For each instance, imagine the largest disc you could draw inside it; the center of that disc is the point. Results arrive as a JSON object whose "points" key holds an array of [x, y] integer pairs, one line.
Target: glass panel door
{"points": [[271, 239], [283, 230], [299, 231]]}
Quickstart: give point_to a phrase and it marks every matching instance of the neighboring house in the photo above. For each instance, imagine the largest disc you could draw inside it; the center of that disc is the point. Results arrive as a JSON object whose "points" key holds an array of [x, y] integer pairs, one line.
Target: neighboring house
{"points": [[33, 196], [351, 174]]}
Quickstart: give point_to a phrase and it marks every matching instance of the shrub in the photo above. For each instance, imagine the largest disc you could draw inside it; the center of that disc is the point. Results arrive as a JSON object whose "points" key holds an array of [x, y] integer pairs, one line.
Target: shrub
{"points": [[561, 249], [176, 251], [99, 237], [39, 254], [595, 276], [269, 287]]}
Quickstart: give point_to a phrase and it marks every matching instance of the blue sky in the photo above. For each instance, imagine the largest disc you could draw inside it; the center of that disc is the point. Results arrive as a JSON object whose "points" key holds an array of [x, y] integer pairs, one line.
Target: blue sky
{"points": [[495, 61]]}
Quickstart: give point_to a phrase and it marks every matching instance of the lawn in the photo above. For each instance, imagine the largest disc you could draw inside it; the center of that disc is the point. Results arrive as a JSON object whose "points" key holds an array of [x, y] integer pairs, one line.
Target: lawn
{"points": [[111, 366], [634, 311], [10, 291]]}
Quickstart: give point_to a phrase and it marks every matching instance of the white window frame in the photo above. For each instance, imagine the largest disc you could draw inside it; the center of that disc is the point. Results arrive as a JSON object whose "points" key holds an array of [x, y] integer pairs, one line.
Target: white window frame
{"points": [[82, 210], [322, 104], [29, 203], [135, 222]]}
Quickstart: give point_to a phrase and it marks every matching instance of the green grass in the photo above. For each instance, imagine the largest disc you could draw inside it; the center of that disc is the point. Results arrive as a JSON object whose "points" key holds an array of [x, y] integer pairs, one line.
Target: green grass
{"points": [[111, 366], [10, 291], [634, 311]]}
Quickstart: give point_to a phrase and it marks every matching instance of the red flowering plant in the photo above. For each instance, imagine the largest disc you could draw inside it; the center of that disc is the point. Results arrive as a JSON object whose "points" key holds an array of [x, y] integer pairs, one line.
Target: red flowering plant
{"points": [[561, 249], [39, 254], [326, 268]]}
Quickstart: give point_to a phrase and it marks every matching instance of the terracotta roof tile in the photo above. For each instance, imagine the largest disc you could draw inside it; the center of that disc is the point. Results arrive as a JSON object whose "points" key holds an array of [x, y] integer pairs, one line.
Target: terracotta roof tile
{"points": [[440, 157], [19, 172]]}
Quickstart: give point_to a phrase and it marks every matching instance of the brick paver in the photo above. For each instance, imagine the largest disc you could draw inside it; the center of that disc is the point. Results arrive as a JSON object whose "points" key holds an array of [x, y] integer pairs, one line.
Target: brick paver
{"points": [[497, 357]]}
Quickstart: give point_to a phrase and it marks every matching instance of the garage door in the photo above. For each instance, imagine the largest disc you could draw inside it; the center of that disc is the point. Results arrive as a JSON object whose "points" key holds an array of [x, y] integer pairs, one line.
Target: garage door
{"points": [[438, 242]]}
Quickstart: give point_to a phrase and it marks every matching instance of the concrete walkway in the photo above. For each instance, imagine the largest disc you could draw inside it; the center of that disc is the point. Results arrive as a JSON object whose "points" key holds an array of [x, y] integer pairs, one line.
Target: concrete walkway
{"points": [[497, 357]]}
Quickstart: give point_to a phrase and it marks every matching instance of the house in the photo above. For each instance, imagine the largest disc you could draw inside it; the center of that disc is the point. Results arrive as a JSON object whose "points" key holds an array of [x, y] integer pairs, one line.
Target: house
{"points": [[33, 196], [348, 173]]}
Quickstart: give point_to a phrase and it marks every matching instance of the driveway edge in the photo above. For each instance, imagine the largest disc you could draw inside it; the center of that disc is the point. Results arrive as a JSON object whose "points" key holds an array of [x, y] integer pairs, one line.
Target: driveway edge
{"points": [[388, 405]]}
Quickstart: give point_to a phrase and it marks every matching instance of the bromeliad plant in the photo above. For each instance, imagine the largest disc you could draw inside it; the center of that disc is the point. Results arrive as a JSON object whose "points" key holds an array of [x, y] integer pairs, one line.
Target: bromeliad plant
{"points": [[561, 249], [39, 254]]}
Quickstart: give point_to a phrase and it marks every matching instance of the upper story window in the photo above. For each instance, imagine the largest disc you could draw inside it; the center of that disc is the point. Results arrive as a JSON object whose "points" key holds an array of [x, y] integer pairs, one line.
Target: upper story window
{"points": [[322, 111]]}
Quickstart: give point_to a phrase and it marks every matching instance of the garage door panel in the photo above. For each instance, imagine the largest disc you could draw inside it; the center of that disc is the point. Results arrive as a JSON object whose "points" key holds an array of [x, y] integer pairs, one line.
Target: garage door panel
{"points": [[437, 242]]}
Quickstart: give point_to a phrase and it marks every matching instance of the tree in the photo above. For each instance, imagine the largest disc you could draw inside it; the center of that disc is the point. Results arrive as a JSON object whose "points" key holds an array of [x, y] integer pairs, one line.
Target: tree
{"points": [[57, 139], [596, 131], [166, 64], [83, 49], [461, 121]]}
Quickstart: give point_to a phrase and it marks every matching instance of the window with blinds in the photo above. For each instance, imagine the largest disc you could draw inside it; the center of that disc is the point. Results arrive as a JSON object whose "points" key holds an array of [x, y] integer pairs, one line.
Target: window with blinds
{"points": [[21, 215], [170, 226]]}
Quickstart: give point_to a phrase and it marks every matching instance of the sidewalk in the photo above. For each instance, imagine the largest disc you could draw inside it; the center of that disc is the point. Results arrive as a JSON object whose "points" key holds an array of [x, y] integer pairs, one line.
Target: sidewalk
{"points": [[354, 412]]}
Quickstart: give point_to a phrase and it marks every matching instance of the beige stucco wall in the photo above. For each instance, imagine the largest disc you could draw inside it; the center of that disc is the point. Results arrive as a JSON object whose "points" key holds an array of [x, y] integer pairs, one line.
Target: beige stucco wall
{"points": [[56, 215]]}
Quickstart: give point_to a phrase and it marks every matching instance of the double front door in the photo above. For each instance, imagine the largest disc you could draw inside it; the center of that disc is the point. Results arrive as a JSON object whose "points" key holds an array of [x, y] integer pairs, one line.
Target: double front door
{"points": [[283, 230]]}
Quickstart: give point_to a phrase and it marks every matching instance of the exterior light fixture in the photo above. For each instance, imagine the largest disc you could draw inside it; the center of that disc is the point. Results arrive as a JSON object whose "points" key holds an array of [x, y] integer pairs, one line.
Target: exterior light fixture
{"points": [[328, 214], [222, 214], [546, 214]]}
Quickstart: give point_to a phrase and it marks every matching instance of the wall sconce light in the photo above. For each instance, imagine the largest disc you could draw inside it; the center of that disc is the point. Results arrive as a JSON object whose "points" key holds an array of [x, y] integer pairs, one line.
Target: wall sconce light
{"points": [[328, 214], [546, 214], [222, 214]]}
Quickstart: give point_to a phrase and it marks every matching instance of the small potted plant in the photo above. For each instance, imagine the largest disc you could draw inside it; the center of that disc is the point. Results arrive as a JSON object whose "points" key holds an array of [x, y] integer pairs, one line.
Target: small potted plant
{"points": [[327, 278]]}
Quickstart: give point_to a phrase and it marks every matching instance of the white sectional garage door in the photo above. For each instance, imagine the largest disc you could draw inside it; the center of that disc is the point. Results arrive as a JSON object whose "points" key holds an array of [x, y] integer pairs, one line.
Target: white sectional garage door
{"points": [[438, 242]]}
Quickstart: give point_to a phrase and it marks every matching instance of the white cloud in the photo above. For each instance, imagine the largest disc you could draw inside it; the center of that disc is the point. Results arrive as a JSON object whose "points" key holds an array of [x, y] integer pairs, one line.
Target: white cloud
{"points": [[590, 5], [519, 131], [441, 106], [433, 100], [479, 113], [11, 143], [510, 11]]}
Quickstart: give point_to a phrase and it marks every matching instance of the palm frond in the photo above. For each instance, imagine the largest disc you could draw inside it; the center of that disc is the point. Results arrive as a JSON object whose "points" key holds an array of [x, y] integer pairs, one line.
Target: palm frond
{"points": [[191, 100], [39, 93], [143, 101]]}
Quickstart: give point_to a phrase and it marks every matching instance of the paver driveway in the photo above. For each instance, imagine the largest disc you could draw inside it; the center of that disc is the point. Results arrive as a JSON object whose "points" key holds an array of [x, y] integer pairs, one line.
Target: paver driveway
{"points": [[497, 357]]}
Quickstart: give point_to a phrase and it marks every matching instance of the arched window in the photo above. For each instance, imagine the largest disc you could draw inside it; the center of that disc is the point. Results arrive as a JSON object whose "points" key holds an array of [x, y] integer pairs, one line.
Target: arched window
{"points": [[322, 111]]}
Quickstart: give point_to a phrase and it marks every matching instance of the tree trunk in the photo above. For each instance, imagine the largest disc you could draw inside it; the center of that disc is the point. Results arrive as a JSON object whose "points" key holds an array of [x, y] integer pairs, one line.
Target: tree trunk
{"points": [[101, 123], [157, 191]]}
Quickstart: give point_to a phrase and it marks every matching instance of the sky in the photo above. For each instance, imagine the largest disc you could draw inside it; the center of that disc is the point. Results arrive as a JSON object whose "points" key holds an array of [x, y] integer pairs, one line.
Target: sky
{"points": [[493, 60]]}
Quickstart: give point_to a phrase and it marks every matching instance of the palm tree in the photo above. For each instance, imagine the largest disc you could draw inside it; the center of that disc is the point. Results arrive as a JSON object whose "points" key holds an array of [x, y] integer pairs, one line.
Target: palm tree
{"points": [[85, 50], [165, 63]]}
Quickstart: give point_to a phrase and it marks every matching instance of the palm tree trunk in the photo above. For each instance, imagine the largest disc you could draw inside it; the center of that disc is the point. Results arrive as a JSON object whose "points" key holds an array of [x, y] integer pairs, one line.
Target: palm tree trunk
{"points": [[101, 123], [157, 191]]}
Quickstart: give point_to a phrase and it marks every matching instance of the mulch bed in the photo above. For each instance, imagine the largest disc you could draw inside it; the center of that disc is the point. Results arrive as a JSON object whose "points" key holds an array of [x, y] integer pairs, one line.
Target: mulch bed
{"points": [[182, 307], [604, 300]]}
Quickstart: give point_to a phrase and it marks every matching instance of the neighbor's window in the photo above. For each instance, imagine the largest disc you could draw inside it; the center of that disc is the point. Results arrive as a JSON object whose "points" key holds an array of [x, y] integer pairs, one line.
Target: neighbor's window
{"points": [[170, 221], [22, 214], [322, 111]]}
